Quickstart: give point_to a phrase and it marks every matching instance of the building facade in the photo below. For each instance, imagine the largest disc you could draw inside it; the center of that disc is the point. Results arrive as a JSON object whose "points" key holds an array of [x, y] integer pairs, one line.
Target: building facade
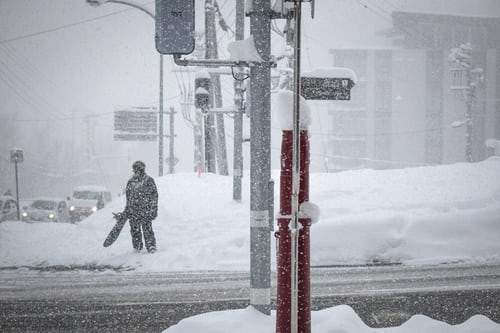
{"points": [[408, 107]]}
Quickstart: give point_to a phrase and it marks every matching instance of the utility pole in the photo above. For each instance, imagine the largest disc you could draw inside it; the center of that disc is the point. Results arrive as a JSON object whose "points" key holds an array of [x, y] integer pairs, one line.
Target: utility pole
{"points": [[209, 122], [260, 160], [239, 26], [212, 53]]}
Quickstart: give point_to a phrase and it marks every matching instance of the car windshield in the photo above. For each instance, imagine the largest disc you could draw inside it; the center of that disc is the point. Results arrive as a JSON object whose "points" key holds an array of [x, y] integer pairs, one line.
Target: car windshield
{"points": [[44, 204], [86, 195]]}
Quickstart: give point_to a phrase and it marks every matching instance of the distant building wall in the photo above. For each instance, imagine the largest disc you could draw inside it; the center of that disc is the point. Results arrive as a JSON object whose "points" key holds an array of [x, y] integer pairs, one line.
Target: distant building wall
{"points": [[404, 111]]}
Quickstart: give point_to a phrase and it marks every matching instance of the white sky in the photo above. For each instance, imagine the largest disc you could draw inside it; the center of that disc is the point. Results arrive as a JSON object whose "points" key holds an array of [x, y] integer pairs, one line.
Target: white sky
{"points": [[100, 59]]}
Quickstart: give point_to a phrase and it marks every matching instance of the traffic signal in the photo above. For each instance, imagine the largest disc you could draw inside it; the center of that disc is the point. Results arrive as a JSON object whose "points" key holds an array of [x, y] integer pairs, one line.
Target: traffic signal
{"points": [[202, 91], [174, 23]]}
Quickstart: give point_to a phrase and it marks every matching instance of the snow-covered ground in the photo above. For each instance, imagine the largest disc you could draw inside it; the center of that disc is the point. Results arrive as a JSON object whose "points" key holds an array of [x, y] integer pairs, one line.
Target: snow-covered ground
{"points": [[416, 215], [339, 319]]}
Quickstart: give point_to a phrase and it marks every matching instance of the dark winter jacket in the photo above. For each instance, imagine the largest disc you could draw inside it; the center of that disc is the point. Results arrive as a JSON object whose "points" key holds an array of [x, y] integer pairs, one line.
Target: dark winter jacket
{"points": [[142, 198]]}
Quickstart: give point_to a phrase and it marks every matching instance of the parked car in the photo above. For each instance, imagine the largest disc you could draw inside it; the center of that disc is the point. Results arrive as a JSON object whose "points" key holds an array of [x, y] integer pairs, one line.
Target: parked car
{"points": [[87, 200], [47, 210], [8, 208]]}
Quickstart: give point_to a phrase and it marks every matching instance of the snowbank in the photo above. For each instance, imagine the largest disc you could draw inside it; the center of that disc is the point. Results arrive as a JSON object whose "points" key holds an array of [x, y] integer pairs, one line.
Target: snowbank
{"points": [[339, 319], [417, 215]]}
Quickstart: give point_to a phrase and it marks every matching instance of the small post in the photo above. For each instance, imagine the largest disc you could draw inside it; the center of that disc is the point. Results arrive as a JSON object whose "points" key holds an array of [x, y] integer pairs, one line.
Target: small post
{"points": [[17, 192], [17, 156]]}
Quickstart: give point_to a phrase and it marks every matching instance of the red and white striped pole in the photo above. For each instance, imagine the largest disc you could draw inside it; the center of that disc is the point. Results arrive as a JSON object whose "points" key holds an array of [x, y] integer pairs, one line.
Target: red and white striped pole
{"points": [[284, 292]]}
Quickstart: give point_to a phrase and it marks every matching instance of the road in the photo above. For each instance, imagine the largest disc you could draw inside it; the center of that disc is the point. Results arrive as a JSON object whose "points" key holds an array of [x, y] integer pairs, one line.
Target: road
{"points": [[76, 301]]}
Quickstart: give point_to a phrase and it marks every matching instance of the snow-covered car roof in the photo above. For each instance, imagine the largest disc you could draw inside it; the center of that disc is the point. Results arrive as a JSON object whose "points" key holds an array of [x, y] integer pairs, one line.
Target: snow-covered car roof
{"points": [[47, 199], [91, 188]]}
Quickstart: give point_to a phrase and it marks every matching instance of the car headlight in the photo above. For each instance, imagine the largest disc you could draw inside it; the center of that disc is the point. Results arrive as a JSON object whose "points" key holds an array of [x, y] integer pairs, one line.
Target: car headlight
{"points": [[51, 216], [24, 214], [94, 209], [72, 208]]}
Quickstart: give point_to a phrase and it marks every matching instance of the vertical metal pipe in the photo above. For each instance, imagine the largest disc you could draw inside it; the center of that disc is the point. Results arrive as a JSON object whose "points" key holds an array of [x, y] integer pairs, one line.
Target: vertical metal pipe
{"points": [[296, 169], [283, 292], [304, 258], [260, 160], [160, 120]]}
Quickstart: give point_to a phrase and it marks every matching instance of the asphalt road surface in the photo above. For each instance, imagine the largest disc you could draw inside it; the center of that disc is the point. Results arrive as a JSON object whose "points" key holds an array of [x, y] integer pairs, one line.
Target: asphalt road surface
{"points": [[83, 301]]}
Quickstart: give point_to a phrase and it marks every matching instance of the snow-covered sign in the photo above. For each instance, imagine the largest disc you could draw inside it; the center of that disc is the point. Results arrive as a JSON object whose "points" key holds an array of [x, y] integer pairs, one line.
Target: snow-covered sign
{"points": [[136, 124], [330, 83]]}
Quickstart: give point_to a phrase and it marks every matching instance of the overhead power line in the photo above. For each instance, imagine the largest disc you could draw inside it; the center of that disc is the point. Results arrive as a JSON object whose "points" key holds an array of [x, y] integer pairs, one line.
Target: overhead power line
{"points": [[62, 27]]}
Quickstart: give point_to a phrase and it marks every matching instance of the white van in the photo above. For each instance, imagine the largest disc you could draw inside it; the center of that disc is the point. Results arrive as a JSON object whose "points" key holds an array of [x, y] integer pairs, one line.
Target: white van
{"points": [[87, 200]]}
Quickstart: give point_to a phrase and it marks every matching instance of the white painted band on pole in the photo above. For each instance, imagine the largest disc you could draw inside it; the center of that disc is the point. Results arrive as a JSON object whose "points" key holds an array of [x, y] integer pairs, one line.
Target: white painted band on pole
{"points": [[259, 219], [260, 296]]}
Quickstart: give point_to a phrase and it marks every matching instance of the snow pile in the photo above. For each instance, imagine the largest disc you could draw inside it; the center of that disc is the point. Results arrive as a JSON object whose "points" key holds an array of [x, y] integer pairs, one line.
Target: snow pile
{"points": [[417, 215], [339, 319]]}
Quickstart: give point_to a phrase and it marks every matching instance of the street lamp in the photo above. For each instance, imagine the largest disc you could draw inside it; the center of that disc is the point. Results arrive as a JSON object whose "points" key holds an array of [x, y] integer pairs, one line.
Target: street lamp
{"points": [[96, 3]]}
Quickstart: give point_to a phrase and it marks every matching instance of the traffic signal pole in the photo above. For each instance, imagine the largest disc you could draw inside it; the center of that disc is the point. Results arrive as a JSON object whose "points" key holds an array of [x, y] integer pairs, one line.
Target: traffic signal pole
{"points": [[260, 159]]}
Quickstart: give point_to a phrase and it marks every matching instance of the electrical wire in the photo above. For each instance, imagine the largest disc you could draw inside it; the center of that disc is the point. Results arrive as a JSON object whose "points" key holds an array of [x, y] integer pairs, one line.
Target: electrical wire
{"points": [[70, 25]]}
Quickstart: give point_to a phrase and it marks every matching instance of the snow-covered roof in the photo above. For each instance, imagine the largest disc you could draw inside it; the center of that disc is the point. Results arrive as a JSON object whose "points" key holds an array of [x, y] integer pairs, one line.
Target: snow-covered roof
{"points": [[476, 8], [91, 188], [55, 199]]}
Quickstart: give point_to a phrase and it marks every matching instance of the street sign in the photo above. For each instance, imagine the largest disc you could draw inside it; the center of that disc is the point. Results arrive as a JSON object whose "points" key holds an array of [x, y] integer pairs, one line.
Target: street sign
{"points": [[134, 137], [174, 22], [325, 88], [16, 156], [137, 120]]}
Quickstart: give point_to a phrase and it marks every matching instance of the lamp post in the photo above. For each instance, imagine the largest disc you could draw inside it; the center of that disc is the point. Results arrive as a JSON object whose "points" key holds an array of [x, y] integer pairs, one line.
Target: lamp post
{"points": [[96, 3]]}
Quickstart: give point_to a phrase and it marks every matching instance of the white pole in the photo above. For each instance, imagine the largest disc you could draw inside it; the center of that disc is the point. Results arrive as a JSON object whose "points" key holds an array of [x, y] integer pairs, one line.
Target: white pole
{"points": [[294, 229], [160, 120]]}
